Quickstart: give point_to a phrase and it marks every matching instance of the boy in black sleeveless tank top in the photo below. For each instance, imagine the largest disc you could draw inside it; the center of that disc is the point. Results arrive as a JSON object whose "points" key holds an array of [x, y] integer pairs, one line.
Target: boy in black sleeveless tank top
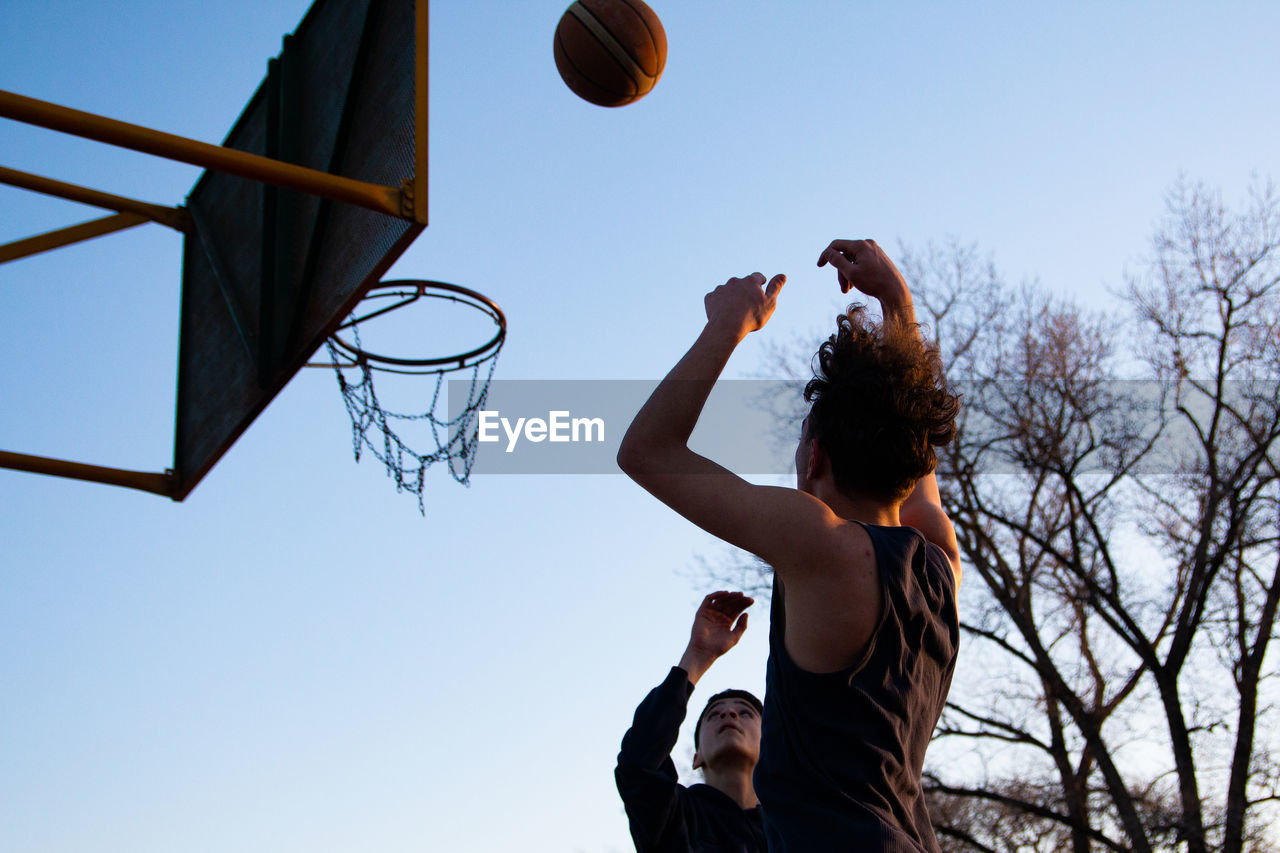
{"points": [[864, 624]]}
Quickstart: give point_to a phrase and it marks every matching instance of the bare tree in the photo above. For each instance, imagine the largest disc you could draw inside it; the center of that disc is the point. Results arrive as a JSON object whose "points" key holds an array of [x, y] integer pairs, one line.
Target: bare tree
{"points": [[1115, 494]]}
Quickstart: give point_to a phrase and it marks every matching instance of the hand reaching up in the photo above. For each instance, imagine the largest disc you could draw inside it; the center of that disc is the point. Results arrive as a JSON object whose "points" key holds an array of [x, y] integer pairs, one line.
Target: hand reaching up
{"points": [[862, 264], [714, 630], [744, 305]]}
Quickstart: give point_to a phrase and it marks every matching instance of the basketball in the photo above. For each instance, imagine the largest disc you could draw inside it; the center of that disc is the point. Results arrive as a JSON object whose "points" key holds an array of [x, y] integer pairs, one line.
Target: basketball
{"points": [[610, 52]]}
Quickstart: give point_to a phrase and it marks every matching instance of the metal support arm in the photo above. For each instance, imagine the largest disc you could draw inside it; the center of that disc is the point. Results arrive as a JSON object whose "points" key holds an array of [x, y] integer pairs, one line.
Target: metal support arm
{"points": [[89, 126], [160, 484], [66, 236], [174, 217]]}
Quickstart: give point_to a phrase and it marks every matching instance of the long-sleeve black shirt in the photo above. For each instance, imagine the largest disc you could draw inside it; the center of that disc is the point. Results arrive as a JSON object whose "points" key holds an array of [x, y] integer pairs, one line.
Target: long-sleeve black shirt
{"points": [[665, 816]]}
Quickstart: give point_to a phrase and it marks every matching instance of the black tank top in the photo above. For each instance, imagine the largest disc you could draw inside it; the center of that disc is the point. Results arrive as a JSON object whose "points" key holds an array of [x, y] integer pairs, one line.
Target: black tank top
{"points": [[841, 753]]}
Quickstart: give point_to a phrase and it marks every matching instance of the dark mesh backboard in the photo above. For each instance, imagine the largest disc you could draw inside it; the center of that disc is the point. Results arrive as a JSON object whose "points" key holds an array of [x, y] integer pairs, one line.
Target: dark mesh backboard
{"points": [[268, 273]]}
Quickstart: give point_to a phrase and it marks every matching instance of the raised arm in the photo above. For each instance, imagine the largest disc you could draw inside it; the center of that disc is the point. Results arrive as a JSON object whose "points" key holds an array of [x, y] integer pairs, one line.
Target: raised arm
{"points": [[863, 265], [776, 524], [646, 776]]}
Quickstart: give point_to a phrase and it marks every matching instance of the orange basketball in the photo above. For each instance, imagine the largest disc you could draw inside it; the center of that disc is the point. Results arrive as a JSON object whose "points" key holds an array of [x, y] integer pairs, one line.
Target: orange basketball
{"points": [[610, 52]]}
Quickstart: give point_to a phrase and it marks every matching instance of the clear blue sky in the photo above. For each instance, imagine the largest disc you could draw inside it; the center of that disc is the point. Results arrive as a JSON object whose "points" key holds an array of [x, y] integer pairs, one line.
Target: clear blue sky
{"points": [[295, 660]]}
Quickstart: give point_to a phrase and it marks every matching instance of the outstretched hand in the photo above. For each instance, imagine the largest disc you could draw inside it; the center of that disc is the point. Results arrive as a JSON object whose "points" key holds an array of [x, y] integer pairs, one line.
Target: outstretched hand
{"points": [[714, 630], [862, 264], [743, 305]]}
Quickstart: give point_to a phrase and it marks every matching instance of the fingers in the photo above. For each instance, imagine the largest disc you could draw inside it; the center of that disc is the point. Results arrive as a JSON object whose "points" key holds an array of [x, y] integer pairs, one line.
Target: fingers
{"points": [[846, 248], [712, 602], [726, 602], [719, 623], [844, 265], [756, 278], [843, 255], [729, 603]]}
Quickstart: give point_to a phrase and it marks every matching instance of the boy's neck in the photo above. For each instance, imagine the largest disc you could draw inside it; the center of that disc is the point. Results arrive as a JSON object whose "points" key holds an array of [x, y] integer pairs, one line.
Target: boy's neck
{"points": [[856, 507], [733, 781]]}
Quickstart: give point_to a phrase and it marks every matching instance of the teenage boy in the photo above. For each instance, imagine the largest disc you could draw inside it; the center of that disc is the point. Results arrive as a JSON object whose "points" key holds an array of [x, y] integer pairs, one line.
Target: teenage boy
{"points": [[864, 626], [721, 815]]}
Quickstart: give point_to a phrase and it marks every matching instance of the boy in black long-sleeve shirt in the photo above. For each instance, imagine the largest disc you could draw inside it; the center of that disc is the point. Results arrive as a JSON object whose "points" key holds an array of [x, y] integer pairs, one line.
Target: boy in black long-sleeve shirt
{"points": [[720, 816]]}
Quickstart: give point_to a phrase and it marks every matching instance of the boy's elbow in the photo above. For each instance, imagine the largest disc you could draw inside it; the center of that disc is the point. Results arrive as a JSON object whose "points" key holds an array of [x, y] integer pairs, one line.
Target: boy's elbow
{"points": [[645, 459], [639, 460], [624, 459], [630, 457]]}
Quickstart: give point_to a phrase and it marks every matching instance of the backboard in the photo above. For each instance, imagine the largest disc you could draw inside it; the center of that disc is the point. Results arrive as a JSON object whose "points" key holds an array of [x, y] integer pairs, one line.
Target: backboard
{"points": [[268, 272]]}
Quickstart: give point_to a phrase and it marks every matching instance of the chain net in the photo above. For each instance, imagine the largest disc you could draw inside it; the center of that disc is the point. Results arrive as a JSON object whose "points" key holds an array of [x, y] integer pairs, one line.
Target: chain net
{"points": [[377, 429]]}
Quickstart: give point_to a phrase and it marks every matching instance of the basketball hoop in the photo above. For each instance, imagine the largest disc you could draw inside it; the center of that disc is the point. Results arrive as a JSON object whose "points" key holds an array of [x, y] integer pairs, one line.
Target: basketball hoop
{"points": [[375, 424]]}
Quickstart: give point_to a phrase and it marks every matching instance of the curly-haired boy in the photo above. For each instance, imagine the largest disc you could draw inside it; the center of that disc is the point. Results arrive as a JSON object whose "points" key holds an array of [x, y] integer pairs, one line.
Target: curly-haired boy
{"points": [[864, 626]]}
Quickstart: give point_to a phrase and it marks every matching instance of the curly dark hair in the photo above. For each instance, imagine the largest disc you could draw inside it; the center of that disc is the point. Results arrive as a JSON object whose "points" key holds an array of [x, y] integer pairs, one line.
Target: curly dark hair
{"points": [[880, 405]]}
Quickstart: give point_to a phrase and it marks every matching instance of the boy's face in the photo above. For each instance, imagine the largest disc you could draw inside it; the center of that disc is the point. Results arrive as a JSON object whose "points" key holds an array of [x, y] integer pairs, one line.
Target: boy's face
{"points": [[728, 726]]}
